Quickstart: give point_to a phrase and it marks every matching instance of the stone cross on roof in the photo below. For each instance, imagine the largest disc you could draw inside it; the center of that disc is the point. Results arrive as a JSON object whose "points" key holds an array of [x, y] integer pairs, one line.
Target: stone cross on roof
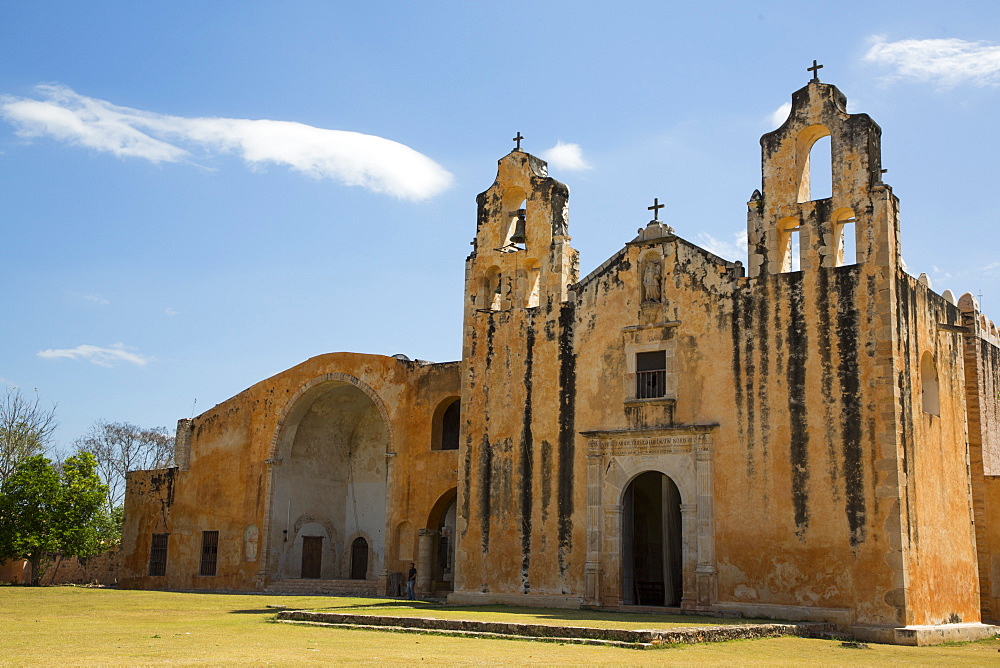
{"points": [[656, 208], [518, 139], [815, 70]]}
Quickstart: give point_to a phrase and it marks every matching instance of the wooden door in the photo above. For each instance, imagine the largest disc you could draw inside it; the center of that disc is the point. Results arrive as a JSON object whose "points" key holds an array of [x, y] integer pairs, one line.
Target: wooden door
{"points": [[312, 556], [359, 559]]}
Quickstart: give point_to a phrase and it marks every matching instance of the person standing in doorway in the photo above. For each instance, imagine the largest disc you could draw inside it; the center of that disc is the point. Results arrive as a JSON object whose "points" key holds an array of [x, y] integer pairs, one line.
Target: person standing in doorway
{"points": [[411, 582]]}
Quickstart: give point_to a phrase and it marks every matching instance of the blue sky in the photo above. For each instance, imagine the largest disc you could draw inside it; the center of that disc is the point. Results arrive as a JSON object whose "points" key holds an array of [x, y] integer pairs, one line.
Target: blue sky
{"points": [[196, 196]]}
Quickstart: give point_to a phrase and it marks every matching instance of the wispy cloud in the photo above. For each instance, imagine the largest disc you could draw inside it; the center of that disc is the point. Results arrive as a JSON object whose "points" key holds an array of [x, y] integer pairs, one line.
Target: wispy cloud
{"points": [[992, 268], [97, 299], [779, 115], [351, 158], [566, 156], [945, 62], [170, 311], [729, 250], [102, 356]]}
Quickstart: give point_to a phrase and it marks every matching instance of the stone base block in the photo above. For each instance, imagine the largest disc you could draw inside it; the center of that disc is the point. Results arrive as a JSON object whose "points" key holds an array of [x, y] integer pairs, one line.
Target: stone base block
{"points": [[924, 635], [525, 600], [842, 617]]}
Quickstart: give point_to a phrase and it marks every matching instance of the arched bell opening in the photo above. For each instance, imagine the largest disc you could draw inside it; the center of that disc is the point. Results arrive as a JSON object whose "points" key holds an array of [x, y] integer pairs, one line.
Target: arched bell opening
{"points": [[652, 560]]}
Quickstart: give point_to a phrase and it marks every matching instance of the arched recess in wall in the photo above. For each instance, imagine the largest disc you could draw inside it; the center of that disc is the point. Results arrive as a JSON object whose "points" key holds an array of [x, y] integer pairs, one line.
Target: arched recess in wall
{"points": [[814, 163], [445, 424], [514, 201], [929, 389], [441, 521], [492, 289], [845, 240], [789, 251], [652, 541], [532, 273], [405, 542], [329, 467], [651, 275]]}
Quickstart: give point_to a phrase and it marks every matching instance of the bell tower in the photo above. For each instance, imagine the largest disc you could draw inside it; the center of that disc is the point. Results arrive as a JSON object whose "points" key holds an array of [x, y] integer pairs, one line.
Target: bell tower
{"points": [[521, 255], [514, 525], [790, 230]]}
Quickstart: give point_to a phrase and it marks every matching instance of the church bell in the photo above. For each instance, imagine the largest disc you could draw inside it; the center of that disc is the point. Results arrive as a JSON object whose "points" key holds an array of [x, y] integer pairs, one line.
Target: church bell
{"points": [[519, 237]]}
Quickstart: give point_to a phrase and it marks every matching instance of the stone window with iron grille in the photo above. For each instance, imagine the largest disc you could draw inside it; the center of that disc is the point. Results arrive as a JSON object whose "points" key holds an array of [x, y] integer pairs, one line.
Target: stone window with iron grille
{"points": [[158, 554], [209, 552]]}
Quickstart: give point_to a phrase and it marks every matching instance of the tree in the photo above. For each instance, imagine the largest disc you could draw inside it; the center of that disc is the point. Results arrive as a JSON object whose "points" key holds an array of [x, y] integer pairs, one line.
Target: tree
{"points": [[25, 429], [44, 511], [120, 447]]}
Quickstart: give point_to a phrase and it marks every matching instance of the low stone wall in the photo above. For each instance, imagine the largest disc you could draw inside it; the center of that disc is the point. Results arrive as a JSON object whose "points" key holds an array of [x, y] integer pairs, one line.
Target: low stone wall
{"points": [[637, 638], [99, 569]]}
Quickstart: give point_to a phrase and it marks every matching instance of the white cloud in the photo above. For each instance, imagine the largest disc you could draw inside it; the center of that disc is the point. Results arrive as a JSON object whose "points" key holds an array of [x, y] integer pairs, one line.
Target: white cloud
{"points": [[101, 356], [170, 311], [992, 268], [354, 159], [779, 115], [566, 156], [939, 273], [728, 250], [97, 299], [946, 62]]}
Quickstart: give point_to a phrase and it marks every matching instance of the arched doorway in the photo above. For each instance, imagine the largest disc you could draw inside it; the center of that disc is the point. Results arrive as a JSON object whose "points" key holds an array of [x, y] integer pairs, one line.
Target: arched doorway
{"points": [[652, 562], [359, 559], [441, 534], [329, 484]]}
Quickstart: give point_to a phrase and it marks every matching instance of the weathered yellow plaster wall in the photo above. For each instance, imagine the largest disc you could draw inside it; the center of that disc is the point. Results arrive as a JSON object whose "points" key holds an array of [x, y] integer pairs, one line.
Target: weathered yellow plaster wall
{"points": [[232, 459]]}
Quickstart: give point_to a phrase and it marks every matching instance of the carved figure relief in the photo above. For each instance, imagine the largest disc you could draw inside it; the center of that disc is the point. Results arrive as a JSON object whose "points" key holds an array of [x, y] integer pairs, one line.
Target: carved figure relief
{"points": [[251, 535], [651, 280]]}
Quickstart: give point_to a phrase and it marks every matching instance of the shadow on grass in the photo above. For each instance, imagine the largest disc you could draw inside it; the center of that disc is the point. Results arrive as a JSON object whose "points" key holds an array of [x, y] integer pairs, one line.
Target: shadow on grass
{"points": [[258, 611]]}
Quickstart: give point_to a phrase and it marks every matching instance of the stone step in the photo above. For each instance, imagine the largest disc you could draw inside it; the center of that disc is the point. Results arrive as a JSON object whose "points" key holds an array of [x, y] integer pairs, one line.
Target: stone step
{"points": [[325, 587], [635, 638]]}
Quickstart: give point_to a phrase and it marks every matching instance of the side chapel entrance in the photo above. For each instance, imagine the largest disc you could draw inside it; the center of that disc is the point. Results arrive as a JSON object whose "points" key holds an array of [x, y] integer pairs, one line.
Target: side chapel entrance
{"points": [[652, 562]]}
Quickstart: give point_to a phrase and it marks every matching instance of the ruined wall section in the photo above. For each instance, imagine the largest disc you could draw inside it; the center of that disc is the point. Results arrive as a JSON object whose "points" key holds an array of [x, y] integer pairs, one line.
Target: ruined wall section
{"points": [[233, 457], [982, 399], [937, 529], [517, 533]]}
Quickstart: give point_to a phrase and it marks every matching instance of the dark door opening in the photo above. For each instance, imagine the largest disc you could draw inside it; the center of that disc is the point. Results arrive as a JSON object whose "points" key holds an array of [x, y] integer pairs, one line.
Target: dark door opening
{"points": [[312, 556], [651, 542], [359, 559]]}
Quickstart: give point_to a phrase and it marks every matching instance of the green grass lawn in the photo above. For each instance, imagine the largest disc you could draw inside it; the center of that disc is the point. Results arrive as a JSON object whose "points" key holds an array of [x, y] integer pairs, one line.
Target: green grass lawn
{"points": [[77, 626]]}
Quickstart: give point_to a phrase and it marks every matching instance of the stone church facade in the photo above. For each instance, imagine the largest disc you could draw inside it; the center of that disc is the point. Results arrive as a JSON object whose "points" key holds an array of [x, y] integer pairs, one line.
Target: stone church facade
{"points": [[814, 436]]}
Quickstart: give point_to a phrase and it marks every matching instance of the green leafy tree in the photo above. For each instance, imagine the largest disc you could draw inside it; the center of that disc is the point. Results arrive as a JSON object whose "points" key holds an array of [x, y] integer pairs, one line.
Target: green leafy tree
{"points": [[45, 511]]}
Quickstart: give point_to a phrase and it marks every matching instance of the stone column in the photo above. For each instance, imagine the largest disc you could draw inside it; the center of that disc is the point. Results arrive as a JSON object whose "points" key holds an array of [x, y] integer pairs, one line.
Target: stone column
{"points": [[592, 570], [689, 547], [425, 552], [612, 555], [705, 571]]}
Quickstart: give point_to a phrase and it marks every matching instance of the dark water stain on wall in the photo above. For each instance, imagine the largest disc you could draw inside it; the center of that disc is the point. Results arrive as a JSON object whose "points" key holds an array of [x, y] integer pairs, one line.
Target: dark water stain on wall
{"points": [[737, 335], [527, 460], [849, 374], [567, 432], [799, 450], [763, 344], [485, 484], [825, 345]]}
